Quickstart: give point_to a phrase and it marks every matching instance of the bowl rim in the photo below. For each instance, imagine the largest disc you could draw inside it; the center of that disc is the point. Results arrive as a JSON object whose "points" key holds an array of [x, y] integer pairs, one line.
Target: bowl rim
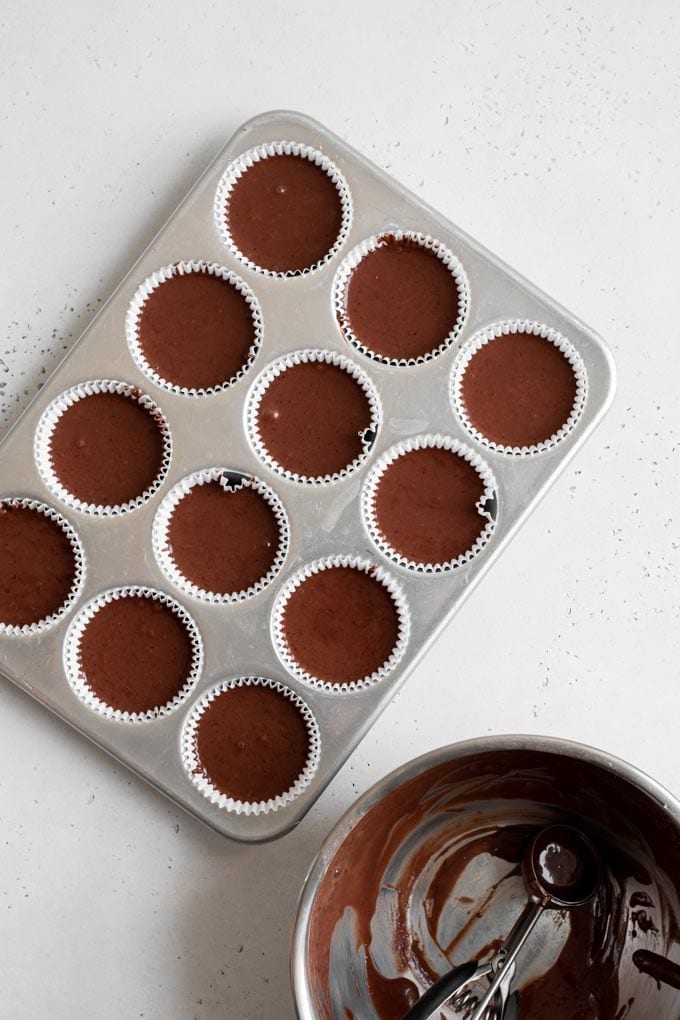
{"points": [[302, 994]]}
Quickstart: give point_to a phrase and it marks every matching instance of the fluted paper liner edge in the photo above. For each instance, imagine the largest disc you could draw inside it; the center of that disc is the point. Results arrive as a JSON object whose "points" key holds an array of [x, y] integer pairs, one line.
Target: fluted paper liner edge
{"points": [[192, 763], [76, 676], [277, 368], [357, 563], [505, 328]]}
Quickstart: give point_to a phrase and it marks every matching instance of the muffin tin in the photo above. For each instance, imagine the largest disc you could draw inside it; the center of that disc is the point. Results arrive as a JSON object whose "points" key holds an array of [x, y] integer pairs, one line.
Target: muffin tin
{"points": [[327, 519]]}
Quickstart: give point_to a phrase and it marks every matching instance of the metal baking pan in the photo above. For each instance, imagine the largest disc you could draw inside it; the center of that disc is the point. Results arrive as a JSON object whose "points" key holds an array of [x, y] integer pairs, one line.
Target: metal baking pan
{"points": [[325, 520]]}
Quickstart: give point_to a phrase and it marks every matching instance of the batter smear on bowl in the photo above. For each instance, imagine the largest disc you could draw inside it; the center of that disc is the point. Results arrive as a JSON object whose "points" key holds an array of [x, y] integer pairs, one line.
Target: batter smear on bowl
{"points": [[518, 390], [284, 213], [224, 538], [135, 654], [429, 876], [38, 565], [313, 419], [252, 742], [427, 506], [401, 301], [196, 330], [107, 449], [341, 625]]}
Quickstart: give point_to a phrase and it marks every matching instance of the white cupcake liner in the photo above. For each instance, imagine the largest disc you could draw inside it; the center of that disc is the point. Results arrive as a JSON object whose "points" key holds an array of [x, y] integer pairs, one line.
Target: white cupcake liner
{"points": [[351, 261], [228, 478], [74, 671], [192, 763], [504, 328], [282, 148], [156, 280], [279, 366], [368, 567], [487, 504], [43, 444], [26, 629]]}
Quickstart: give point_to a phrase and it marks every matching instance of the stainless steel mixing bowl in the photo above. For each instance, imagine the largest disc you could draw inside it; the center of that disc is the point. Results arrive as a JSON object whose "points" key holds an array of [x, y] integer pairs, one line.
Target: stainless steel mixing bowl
{"points": [[650, 820]]}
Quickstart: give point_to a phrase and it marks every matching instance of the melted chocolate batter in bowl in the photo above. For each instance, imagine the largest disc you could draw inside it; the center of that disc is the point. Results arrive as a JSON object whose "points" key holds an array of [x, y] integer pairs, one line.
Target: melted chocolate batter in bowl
{"points": [[424, 873]]}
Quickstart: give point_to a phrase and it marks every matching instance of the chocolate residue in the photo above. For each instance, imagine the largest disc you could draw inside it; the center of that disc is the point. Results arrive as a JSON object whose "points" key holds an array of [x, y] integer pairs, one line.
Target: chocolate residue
{"points": [[284, 213], [518, 389], [643, 921], [426, 505], [222, 538], [107, 449], [135, 654], [196, 330], [252, 743], [430, 878], [312, 419], [37, 565], [341, 625], [401, 300]]}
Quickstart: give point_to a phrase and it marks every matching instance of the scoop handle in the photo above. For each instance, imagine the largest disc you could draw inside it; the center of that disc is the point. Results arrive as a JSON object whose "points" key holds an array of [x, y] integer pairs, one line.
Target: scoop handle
{"points": [[441, 991], [516, 939]]}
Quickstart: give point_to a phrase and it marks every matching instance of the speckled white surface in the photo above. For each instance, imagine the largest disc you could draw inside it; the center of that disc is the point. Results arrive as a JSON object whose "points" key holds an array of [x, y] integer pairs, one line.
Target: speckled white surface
{"points": [[550, 131]]}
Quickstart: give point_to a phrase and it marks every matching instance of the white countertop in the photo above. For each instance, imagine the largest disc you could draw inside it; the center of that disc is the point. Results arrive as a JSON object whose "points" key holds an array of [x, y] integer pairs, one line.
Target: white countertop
{"points": [[551, 132]]}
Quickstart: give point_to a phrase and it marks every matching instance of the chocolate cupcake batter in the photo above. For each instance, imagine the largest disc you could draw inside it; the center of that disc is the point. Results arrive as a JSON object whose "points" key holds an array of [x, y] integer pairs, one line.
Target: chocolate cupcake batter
{"points": [[426, 505], [224, 538], [107, 448], [431, 877], [252, 743], [518, 390], [196, 330], [341, 625], [313, 419], [401, 301], [284, 213], [37, 565], [135, 654]]}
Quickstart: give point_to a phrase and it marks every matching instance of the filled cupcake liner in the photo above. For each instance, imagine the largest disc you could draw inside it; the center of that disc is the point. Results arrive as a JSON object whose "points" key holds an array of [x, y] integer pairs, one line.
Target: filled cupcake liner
{"points": [[504, 328], [370, 244], [157, 279], [192, 763], [45, 430], [27, 629], [228, 478], [282, 148], [76, 676], [487, 505], [279, 366], [368, 567]]}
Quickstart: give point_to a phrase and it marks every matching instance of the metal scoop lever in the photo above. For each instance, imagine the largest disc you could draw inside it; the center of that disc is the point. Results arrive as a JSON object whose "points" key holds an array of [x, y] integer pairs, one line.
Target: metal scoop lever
{"points": [[508, 954], [561, 870]]}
